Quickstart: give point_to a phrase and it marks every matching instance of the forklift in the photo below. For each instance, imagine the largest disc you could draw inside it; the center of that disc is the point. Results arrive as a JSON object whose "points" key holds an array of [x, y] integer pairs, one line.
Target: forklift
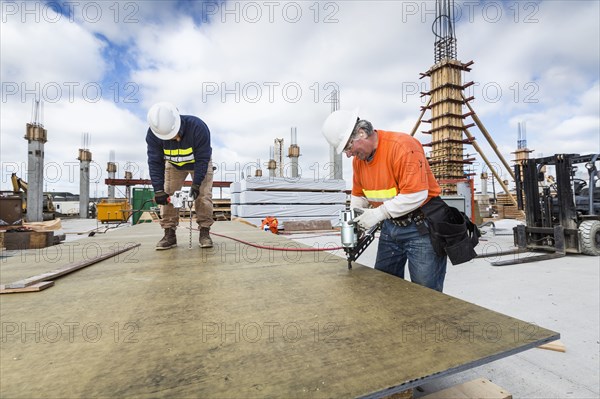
{"points": [[561, 217]]}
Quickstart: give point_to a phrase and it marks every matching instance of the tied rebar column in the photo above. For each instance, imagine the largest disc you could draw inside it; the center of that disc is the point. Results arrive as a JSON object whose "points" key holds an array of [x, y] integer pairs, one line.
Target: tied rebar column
{"points": [[36, 136], [85, 158], [447, 154], [335, 159], [294, 153], [111, 168]]}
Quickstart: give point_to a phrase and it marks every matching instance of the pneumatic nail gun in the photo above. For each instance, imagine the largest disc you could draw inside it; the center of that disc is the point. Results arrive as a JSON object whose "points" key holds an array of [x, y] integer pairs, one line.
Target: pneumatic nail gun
{"points": [[179, 199], [354, 239]]}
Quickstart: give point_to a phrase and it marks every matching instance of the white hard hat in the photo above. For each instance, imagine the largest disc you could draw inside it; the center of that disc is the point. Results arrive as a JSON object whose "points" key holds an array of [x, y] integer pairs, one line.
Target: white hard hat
{"points": [[164, 120], [338, 127]]}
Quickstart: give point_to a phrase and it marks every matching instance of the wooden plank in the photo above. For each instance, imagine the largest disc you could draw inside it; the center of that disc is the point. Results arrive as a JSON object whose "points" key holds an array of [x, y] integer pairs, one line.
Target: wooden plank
{"points": [[242, 220], [32, 288], [65, 270], [48, 225], [557, 346], [148, 216], [480, 388], [305, 225], [27, 239], [41, 239], [408, 394]]}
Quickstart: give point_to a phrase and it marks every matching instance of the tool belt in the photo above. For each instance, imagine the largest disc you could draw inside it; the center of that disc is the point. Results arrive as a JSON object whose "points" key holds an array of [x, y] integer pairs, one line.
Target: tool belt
{"points": [[451, 231], [415, 216]]}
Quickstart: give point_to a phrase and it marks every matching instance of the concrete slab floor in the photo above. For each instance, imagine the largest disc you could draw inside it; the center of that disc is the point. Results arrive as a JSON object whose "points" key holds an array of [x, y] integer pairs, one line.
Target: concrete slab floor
{"points": [[560, 294]]}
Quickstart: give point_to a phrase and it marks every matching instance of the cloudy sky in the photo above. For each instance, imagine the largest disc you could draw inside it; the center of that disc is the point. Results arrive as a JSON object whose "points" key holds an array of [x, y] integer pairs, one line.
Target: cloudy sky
{"points": [[253, 70]]}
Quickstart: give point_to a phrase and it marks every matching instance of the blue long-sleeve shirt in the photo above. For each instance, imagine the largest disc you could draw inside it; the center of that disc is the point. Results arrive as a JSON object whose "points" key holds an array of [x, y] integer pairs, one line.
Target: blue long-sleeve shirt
{"points": [[192, 152]]}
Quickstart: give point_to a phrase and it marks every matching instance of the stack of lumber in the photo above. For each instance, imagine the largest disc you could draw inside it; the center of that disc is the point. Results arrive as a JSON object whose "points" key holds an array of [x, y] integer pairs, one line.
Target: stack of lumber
{"points": [[506, 208]]}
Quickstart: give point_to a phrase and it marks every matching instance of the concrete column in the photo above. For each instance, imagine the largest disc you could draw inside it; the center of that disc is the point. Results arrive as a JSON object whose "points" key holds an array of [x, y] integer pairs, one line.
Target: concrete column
{"points": [[335, 160], [85, 158], [484, 179], [128, 176], [36, 136], [271, 167], [463, 189], [294, 153], [111, 168]]}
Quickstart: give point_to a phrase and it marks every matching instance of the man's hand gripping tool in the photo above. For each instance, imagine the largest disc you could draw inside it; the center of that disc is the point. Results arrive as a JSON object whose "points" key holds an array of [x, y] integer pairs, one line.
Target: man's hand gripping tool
{"points": [[179, 200], [354, 239]]}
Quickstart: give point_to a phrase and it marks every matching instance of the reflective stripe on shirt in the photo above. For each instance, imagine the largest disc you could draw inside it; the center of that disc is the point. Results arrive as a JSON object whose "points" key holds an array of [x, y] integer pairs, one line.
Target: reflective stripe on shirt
{"points": [[179, 156], [380, 195]]}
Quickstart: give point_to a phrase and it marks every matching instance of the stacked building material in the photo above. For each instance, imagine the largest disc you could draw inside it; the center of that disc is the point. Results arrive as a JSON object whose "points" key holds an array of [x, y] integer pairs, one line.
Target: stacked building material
{"points": [[506, 208], [302, 199]]}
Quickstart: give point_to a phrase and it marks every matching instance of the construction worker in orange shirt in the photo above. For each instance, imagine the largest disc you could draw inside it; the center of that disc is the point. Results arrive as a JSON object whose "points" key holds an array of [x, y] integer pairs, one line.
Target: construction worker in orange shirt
{"points": [[392, 181]]}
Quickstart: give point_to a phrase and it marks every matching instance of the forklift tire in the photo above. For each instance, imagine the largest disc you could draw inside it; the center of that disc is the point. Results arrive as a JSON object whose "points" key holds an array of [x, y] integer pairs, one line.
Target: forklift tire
{"points": [[589, 235]]}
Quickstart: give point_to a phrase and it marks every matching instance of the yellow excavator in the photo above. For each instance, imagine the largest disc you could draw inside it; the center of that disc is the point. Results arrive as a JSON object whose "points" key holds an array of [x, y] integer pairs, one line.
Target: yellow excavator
{"points": [[48, 209]]}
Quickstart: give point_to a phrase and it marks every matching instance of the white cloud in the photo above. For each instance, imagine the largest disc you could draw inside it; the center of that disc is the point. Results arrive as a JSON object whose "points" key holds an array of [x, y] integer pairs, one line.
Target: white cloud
{"points": [[49, 52], [234, 74]]}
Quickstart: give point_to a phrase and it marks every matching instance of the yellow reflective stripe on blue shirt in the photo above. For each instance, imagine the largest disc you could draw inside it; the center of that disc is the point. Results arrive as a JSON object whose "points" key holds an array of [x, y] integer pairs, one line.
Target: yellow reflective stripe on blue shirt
{"points": [[180, 160], [179, 151], [179, 156], [380, 195]]}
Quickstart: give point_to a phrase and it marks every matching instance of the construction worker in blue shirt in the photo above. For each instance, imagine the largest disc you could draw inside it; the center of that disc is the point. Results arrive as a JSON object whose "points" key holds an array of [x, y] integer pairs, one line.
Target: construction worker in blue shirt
{"points": [[179, 145]]}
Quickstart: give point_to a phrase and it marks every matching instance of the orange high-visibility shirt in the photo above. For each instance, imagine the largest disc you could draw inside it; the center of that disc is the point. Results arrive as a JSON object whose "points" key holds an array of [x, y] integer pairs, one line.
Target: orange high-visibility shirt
{"points": [[398, 167]]}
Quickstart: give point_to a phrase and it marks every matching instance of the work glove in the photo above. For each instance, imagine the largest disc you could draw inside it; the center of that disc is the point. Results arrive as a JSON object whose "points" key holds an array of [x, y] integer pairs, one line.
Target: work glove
{"points": [[194, 192], [370, 217], [161, 198]]}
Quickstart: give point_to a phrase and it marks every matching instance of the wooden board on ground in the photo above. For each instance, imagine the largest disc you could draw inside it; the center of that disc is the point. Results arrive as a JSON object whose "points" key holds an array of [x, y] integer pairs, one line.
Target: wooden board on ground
{"points": [[480, 388], [556, 346], [30, 288], [48, 225], [21, 285], [408, 394], [242, 220], [307, 225]]}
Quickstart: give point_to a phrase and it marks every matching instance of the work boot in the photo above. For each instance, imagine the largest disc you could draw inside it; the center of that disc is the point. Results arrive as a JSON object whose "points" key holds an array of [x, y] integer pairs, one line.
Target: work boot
{"points": [[168, 241], [205, 240]]}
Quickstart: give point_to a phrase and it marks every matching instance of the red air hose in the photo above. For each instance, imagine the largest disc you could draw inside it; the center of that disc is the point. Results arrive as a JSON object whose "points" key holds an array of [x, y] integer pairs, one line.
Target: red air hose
{"points": [[276, 248]]}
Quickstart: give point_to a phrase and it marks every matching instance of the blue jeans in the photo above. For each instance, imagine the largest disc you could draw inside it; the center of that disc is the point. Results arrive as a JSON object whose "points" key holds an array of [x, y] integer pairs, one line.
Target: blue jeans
{"points": [[398, 244]]}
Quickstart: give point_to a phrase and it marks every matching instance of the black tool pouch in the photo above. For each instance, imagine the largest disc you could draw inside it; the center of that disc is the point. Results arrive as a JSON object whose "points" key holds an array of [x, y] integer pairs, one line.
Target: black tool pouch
{"points": [[452, 233]]}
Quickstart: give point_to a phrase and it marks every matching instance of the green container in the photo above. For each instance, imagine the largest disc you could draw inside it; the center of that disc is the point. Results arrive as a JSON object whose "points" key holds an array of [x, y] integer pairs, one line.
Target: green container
{"points": [[142, 201]]}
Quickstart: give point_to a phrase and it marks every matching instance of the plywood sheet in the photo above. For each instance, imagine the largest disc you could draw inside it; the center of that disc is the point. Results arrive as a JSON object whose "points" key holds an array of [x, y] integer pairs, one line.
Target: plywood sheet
{"points": [[236, 322]]}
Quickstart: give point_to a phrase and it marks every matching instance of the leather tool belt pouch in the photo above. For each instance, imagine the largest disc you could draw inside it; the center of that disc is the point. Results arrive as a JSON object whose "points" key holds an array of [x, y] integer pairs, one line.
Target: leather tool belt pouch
{"points": [[451, 231]]}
